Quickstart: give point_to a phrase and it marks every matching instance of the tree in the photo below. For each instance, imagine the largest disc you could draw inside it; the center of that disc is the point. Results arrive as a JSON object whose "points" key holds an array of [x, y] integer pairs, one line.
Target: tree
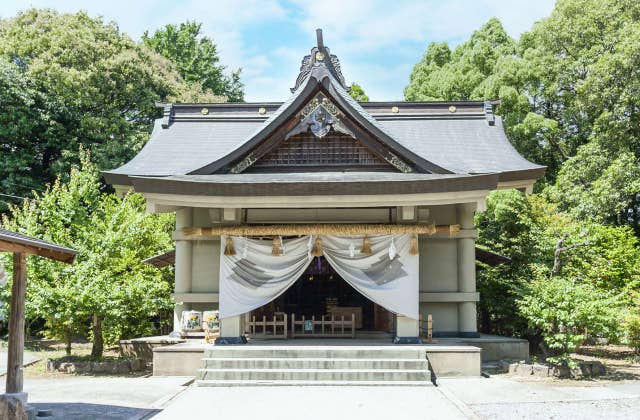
{"points": [[108, 291], [196, 58], [358, 93], [70, 81], [537, 237], [20, 116], [463, 73], [563, 309]]}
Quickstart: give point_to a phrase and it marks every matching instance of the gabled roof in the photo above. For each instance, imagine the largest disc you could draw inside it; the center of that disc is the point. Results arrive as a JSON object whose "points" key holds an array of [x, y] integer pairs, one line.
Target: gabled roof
{"points": [[199, 143], [320, 80]]}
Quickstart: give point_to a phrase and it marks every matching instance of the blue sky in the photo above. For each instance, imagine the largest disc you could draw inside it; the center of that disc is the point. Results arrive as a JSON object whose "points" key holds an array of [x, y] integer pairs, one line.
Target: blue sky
{"points": [[377, 41]]}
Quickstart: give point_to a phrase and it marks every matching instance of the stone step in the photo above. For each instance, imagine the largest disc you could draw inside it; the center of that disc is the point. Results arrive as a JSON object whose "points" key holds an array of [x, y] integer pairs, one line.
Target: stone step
{"points": [[313, 363], [228, 383], [349, 375], [355, 352]]}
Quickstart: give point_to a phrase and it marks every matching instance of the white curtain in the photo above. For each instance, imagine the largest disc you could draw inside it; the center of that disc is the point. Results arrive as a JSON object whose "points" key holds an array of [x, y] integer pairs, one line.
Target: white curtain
{"points": [[386, 277], [254, 277]]}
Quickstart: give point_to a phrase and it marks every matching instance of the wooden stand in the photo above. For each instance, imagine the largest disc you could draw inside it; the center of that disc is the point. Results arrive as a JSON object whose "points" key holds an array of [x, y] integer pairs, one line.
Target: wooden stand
{"points": [[268, 328]]}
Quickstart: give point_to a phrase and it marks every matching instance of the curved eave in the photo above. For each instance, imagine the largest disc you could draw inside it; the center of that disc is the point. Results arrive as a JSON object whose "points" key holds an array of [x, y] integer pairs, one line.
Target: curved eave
{"points": [[522, 175], [236, 187]]}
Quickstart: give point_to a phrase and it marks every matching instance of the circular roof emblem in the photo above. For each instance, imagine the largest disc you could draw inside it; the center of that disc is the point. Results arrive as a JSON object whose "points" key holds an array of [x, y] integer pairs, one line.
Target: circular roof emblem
{"points": [[452, 108], [204, 111], [395, 109]]}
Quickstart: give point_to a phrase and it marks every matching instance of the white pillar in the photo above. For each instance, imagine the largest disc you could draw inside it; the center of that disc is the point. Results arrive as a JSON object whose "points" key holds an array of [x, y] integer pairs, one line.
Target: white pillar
{"points": [[184, 218], [467, 320], [231, 327], [407, 327]]}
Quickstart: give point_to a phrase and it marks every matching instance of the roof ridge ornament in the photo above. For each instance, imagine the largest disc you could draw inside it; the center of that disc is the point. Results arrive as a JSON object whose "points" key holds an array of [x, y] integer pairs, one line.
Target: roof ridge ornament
{"points": [[320, 55], [320, 115], [167, 115], [488, 112]]}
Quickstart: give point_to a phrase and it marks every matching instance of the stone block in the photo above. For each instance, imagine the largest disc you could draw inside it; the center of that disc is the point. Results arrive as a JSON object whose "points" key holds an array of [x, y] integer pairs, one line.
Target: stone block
{"points": [[591, 368], [12, 408]]}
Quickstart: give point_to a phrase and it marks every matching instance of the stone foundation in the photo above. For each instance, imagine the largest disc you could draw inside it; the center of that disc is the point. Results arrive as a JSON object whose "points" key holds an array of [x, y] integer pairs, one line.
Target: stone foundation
{"points": [[106, 367]]}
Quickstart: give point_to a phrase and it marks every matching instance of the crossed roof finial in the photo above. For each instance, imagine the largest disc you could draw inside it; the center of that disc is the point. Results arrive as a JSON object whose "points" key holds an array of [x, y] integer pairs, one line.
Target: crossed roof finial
{"points": [[320, 53]]}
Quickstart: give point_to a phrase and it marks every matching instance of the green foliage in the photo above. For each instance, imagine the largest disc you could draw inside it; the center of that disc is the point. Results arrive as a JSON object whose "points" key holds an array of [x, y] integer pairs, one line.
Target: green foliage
{"points": [[596, 184], [569, 97], [632, 331], [20, 116], [108, 278], [563, 309], [511, 226], [196, 58], [358, 93], [461, 75], [69, 81], [527, 229]]}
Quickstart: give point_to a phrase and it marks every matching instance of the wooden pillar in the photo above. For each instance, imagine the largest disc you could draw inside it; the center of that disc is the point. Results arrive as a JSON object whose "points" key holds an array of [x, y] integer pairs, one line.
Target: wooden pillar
{"points": [[16, 324]]}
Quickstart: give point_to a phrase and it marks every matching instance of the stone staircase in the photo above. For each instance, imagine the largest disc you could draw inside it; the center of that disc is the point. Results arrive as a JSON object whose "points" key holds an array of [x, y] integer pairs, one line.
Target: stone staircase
{"points": [[318, 365]]}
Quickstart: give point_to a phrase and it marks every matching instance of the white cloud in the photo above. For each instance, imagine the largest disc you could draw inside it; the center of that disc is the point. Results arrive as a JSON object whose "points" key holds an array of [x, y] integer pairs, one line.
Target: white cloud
{"points": [[360, 32]]}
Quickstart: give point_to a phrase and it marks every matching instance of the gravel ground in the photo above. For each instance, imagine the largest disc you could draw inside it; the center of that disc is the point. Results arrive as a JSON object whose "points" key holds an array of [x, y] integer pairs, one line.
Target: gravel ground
{"points": [[604, 409], [503, 397], [27, 359]]}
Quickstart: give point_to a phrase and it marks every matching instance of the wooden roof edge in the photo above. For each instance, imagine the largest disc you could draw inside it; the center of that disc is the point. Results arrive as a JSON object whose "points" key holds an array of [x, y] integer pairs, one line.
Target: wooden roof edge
{"points": [[17, 242]]}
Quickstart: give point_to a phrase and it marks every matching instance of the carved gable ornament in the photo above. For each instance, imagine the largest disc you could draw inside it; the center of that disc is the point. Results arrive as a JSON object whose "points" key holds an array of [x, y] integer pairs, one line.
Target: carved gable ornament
{"points": [[320, 115]]}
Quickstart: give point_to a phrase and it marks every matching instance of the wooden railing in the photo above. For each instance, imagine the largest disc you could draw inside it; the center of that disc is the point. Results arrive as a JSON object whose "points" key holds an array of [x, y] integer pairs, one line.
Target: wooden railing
{"points": [[326, 326], [268, 328]]}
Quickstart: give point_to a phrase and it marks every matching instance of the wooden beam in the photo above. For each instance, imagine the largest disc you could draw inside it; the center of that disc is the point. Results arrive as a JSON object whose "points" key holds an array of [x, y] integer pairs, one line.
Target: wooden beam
{"points": [[321, 229], [6, 246], [16, 324]]}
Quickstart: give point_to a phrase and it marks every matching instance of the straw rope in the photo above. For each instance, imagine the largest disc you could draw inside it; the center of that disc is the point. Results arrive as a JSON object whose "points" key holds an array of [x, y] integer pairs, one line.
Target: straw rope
{"points": [[322, 229]]}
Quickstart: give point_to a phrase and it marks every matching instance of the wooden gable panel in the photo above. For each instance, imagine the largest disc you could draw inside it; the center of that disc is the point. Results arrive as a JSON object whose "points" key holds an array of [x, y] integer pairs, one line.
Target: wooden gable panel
{"points": [[307, 152]]}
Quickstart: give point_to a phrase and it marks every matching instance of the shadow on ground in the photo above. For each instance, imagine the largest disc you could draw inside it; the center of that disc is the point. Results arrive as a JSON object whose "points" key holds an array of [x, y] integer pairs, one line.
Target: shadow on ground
{"points": [[82, 411]]}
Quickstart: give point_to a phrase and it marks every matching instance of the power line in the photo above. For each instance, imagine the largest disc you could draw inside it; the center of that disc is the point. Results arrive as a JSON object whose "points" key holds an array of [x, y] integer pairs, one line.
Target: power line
{"points": [[15, 197]]}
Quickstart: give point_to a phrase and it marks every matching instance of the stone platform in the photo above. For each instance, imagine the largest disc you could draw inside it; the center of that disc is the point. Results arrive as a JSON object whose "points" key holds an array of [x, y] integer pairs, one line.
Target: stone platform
{"points": [[447, 357]]}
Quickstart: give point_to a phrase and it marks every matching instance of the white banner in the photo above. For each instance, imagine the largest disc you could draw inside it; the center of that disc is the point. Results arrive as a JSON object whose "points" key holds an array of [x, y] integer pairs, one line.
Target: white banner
{"points": [[254, 277]]}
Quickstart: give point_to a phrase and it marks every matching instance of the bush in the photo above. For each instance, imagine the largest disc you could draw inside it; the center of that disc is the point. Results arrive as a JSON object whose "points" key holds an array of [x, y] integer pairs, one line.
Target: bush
{"points": [[632, 332], [563, 308]]}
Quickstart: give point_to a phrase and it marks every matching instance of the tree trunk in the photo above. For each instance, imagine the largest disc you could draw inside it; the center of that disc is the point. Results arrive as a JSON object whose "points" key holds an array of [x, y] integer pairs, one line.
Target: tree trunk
{"points": [[67, 340], [98, 343]]}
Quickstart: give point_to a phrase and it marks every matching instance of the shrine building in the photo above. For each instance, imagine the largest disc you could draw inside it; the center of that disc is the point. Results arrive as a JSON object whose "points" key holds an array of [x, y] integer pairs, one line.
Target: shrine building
{"points": [[323, 216]]}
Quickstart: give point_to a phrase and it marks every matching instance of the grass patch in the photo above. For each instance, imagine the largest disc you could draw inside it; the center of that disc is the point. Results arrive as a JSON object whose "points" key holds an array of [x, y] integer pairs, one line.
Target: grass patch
{"points": [[55, 350]]}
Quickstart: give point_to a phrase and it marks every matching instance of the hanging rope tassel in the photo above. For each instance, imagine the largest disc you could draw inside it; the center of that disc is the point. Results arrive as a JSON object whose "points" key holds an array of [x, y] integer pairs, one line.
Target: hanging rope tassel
{"points": [[276, 249], [366, 246], [229, 248], [413, 245], [316, 251]]}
